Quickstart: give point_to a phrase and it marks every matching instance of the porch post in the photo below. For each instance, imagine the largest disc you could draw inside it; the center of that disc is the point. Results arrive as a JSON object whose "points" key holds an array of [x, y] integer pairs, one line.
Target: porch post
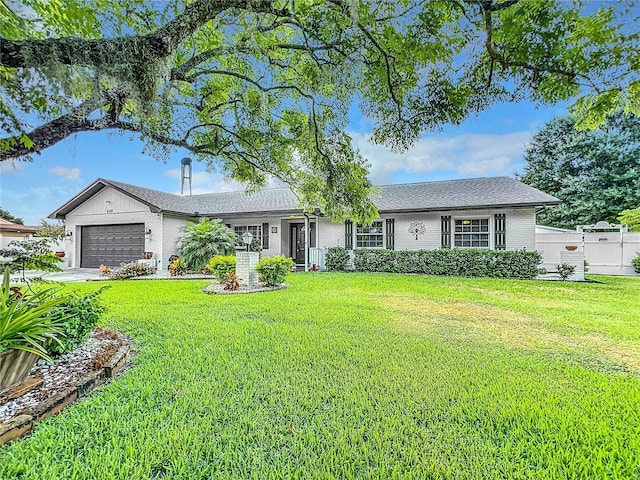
{"points": [[306, 242]]}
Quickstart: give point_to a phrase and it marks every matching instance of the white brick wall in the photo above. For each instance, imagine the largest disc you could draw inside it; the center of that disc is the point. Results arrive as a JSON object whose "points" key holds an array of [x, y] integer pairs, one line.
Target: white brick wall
{"points": [[170, 231], [246, 267], [520, 228]]}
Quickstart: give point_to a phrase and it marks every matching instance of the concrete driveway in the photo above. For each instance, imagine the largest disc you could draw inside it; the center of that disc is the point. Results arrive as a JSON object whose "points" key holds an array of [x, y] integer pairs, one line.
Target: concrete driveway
{"points": [[67, 275]]}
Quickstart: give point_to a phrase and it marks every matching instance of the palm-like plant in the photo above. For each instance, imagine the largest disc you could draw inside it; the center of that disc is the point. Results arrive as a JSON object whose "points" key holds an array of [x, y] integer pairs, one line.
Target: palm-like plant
{"points": [[27, 322], [200, 241]]}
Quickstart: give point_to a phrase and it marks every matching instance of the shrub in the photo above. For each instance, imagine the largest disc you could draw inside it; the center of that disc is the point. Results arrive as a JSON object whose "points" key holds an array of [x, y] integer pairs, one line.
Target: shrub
{"points": [[336, 259], [451, 262], [31, 255], [26, 321], [220, 265], [231, 281], [636, 262], [55, 231], [105, 271], [177, 267], [80, 313], [273, 270], [131, 270], [198, 242], [565, 270]]}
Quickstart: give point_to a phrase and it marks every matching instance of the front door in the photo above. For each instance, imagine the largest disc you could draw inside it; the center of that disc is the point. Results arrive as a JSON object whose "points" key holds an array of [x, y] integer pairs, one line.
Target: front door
{"points": [[297, 240]]}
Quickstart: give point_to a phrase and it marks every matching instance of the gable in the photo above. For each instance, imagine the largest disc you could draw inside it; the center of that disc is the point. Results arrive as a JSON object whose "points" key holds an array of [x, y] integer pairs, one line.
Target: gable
{"points": [[109, 200]]}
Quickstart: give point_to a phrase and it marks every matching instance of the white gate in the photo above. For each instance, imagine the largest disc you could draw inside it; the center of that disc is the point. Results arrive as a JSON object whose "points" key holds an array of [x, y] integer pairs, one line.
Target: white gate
{"points": [[608, 253]]}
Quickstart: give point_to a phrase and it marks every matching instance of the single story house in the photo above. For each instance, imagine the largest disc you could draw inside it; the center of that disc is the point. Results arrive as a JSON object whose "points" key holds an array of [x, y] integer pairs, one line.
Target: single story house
{"points": [[112, 222]]}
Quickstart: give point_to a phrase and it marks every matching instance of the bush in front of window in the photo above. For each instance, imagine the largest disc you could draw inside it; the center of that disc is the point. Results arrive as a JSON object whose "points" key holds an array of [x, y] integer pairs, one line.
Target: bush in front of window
{"points": [[520, 264], [273, 270], [336, 259]]}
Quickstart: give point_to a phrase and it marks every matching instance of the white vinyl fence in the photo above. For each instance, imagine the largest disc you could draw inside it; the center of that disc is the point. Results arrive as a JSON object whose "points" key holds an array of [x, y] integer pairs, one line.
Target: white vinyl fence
{"points": [[608, 253]]}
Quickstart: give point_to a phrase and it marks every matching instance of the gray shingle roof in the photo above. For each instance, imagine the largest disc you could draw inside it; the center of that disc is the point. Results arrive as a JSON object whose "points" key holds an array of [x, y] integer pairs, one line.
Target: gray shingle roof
{"points": [[467, 193], [442, 195]]}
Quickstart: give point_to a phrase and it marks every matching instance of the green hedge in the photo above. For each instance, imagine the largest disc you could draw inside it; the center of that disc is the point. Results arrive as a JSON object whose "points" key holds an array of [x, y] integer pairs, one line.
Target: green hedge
{"points": [[451, 262], [336, 259]]}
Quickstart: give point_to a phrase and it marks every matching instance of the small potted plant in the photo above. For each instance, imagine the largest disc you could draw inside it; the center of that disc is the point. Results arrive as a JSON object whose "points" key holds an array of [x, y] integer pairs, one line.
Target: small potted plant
{"points": [[26, 327]]}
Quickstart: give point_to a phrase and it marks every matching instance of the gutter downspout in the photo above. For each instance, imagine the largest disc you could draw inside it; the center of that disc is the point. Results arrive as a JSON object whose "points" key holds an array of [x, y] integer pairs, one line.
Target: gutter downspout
{"points": [[306, 242]]}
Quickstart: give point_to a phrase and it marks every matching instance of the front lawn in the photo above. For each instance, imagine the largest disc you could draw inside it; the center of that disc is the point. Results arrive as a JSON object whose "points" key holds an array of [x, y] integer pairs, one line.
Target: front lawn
{"points": [[359, 376]]}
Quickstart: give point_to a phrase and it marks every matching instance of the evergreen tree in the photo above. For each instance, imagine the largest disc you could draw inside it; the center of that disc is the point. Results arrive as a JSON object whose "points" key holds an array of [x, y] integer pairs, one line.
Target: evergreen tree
{"points": [[596, 173]]}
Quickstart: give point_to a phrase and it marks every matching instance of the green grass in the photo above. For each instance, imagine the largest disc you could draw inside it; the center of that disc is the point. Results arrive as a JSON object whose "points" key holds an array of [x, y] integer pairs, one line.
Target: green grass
{"points": [[359, 376]]}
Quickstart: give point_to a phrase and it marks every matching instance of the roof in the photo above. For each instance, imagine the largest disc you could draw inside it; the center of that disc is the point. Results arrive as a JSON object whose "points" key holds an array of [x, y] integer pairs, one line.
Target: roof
{"points": [[7, 226], [427, 196], [461, 194]]}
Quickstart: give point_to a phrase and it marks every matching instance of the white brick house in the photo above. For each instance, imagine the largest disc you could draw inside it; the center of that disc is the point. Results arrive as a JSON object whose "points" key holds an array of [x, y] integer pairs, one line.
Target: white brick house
{"points": [[111, 222]]}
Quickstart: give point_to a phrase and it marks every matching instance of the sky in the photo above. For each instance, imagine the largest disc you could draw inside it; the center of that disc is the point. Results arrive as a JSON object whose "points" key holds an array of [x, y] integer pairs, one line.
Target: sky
{"points": [[490, 144]]}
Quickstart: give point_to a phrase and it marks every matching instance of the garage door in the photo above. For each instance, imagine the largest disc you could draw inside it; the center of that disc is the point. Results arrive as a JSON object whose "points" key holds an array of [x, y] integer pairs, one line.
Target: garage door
{"points": [[111, 244]]}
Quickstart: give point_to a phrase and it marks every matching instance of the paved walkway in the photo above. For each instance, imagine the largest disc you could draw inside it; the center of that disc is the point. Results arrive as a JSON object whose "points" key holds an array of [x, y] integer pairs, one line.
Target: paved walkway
{"points": [[88, 274]]}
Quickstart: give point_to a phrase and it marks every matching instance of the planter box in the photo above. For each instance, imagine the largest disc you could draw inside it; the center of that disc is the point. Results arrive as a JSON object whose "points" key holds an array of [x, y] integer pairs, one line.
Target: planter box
{"points": [[14, 367]]}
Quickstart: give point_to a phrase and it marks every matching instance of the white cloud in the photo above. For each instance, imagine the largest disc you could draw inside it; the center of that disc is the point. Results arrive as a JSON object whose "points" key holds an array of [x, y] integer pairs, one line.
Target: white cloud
{"points": [[464, 155], [36, 202], [9, 166], [66, 173]]}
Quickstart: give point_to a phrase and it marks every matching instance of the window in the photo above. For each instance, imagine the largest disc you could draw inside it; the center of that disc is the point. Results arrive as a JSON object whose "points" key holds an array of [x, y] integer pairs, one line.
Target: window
{"points": [[471, 233], [371, 236], [256, 231]]}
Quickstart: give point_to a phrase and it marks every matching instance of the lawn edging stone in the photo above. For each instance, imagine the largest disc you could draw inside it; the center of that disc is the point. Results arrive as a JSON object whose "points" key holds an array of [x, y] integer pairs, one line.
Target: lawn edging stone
{"points": [[21, 425]]}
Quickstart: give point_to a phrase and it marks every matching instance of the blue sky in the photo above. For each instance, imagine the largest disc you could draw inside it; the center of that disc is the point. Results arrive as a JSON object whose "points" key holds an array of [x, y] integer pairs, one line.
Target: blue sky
{"points": [[487, 145]]}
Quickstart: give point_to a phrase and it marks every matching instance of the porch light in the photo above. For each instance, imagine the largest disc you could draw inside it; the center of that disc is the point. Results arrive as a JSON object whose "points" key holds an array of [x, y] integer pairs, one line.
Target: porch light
{"points": [[68, 234], [247, 238], [147, 234]]}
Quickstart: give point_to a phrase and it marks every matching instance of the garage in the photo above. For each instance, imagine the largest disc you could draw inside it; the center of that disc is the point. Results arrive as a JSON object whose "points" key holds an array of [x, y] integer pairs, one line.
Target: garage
{"points": [[111, 245]]}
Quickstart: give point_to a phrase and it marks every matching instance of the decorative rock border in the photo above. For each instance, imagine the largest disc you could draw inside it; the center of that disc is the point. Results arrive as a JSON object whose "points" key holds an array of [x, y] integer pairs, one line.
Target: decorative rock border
{"points": [[218, 289], [19, 426]]}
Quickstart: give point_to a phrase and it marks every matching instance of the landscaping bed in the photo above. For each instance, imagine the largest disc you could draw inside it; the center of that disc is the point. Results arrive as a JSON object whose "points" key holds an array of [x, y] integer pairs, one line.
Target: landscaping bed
{"points": [[51, 387], [219, 289]]}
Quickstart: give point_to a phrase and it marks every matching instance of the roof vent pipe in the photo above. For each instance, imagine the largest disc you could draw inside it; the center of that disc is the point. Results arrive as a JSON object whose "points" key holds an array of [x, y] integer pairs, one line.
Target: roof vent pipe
{"points": [[185, 174]]}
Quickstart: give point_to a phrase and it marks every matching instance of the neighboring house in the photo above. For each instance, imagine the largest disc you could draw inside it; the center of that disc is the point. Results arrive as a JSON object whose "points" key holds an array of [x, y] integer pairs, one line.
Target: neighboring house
{"points": [[111, 222], [12, 231]]}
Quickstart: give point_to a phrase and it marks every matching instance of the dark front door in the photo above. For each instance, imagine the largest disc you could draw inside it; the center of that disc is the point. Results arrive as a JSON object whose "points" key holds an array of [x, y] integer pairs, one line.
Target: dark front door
{"points": [[111, 245], [297, 240]]}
